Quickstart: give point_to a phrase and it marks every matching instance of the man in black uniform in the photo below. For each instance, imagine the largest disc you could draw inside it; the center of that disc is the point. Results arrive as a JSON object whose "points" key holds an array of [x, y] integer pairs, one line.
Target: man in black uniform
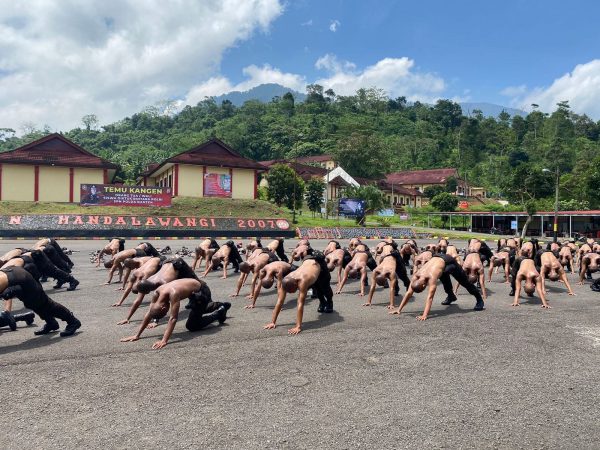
{"points": [[322, 287], [203, 311], [39, 266], [56, 254], [453, 268], [17, 282], [280, 250], [234, 256]]}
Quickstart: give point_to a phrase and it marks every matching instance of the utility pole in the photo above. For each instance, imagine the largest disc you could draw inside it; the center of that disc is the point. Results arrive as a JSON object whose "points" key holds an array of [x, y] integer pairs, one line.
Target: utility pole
{"points": [[327, 195], [294, 221], [556, 186]]}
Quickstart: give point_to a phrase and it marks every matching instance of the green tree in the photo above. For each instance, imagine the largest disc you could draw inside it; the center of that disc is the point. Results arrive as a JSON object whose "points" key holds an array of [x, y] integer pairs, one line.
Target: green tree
{"points": [[451, 185], [285, 186], [314, 194], [445, 202], [432, 191], [363, 155], [531, 209]]}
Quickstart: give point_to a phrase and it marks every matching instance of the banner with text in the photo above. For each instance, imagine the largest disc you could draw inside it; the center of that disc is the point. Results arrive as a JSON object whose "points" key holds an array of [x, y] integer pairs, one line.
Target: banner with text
{"points": [[217, 185], [141, 225], [118, 195]]}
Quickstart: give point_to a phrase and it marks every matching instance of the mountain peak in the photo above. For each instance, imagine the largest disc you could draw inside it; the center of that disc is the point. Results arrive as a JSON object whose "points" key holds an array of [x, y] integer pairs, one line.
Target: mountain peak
{"points": [[263, 93]]}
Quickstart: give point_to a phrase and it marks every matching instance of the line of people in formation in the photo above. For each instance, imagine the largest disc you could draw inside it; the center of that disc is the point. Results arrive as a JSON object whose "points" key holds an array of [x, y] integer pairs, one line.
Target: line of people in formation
{"points": [[143, 270]]}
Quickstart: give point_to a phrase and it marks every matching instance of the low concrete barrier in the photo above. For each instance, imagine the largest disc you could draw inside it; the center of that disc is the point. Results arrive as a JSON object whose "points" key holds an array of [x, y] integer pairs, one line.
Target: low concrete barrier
{"points": [[143, 226]]}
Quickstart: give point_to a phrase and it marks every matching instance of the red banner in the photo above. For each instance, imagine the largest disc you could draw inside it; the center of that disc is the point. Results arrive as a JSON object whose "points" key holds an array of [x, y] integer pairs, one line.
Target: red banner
{"points": [[119, 195], [217, 185]]}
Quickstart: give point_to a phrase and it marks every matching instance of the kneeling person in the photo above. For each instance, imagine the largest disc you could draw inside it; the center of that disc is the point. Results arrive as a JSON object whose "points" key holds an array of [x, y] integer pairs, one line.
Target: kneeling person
{"points": [[17, 282], [167, 300]]}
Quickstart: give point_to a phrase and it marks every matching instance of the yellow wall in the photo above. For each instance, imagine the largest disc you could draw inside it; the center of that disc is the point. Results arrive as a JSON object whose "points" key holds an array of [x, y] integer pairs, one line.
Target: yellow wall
{"points": [[54, 184], [190, 181], [242, 183], [17, 182], [162, 179], [84, 176]]}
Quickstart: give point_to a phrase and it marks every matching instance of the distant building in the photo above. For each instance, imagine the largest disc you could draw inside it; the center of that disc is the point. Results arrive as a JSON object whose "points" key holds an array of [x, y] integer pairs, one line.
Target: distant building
{"points": [[211, 169], [477, 192], [400, 196], [324, 161], [421, 179], [51, 169], [336, 179]]}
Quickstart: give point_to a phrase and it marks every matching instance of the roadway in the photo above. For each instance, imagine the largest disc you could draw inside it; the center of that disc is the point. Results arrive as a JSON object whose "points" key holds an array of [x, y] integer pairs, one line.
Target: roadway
{"points": [[359, 378]]}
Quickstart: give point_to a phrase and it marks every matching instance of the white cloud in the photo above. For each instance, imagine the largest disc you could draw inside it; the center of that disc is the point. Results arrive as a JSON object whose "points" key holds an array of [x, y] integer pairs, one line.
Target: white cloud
{"points": [[334, 25], [331, 63], [61, 59], [394, 75], [581, 88], [308, 23]]}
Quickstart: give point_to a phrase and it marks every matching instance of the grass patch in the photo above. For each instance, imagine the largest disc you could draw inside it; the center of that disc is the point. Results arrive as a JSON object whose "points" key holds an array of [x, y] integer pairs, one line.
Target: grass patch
{"points": [[182, 206]]}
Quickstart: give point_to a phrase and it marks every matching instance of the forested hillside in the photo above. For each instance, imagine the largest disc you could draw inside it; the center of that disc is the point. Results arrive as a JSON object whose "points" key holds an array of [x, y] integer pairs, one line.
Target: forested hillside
{"points": [[371, 135]]}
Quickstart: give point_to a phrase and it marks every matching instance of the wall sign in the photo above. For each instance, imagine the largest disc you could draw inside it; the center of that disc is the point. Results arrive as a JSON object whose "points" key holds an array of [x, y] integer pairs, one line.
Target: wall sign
{"points": [[217, 185], [117, 195]]}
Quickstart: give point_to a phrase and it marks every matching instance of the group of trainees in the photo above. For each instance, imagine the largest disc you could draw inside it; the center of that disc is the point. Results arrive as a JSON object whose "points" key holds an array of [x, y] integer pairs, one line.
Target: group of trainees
{"points": [[172, 280], [22, 272], [142, 270]]}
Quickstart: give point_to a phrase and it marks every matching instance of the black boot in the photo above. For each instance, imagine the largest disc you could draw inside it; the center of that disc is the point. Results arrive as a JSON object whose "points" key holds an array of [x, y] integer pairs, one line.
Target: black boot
{"points": [[479, 306], [321, 307], [223, 312], [219, 314], [50, 326], [73, 284], [72, 326], [511, 293], [43, 279], [8, 320], [59, 284], [27, 317], [449, 300], [328, 306]]}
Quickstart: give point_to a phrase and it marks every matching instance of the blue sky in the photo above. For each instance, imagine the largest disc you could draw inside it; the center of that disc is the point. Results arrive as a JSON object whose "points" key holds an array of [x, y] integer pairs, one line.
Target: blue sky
{"points": [[63, 59], [479, 47]]}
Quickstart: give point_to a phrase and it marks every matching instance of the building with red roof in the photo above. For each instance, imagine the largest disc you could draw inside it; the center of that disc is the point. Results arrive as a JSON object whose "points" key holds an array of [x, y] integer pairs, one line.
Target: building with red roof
{"points": [[212, 169], [421, 179], [51, 169], [325, 161]]}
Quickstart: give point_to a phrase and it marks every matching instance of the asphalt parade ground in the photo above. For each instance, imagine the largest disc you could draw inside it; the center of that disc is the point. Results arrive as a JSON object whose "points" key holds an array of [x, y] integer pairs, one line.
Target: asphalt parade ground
{"points": [[505, 377]]}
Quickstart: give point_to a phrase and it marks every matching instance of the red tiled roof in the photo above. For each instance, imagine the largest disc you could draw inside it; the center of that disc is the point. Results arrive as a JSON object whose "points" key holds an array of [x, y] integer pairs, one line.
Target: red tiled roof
{"points": [[386, 186], [55, 150], [212, 153], [304, 171], [314, 158], [398, 189], [431, 176]]}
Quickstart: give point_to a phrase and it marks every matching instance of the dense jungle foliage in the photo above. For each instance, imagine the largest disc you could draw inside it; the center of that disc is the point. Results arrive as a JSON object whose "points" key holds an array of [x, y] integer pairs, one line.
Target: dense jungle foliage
{"points": [[371, 135]]}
